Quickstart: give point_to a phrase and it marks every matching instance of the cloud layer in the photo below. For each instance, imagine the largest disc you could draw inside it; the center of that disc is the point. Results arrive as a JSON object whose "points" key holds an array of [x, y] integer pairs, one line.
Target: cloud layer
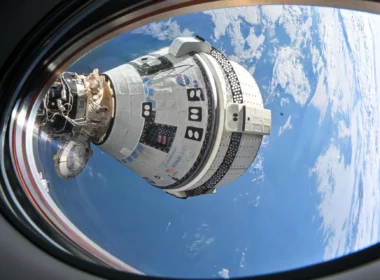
{"points": [[200, 240], [286, 126], [224, 273], [343, 48], [163, 30]]}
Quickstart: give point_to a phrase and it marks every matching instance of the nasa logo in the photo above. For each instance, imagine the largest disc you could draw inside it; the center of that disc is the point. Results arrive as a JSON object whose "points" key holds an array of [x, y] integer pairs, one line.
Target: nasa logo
{"points": [[182, 79]]}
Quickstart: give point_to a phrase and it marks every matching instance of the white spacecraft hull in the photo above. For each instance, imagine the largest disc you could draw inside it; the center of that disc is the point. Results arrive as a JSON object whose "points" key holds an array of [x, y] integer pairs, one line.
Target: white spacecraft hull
{"points": [[184, 118], [170, 123]]}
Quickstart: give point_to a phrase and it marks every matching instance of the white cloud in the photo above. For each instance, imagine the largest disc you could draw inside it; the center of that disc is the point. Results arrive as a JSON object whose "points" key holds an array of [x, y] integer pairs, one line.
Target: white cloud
{"points": [[284, 101], [89, 170], [167, 227], [316, 59], [242, 260], [257, 201], [286, 126], [335, 185], [340, 76], [346, 62], [229, 22], [349, 198], [288, 73], [265, 142], [337, 82], [343, 130], [102, 179], [237, 197], [222, 18], [349, 192], [294, 24], [254, 42], [288, 70], [257, 169], [201, 239], [320, 98], [272, 12], [199, 244], [224, 273], [235, 58], [163, 30]]}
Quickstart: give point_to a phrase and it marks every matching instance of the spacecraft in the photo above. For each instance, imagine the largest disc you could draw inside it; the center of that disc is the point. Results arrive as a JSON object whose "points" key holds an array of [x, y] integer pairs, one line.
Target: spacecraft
{"points": [[185, 118]]}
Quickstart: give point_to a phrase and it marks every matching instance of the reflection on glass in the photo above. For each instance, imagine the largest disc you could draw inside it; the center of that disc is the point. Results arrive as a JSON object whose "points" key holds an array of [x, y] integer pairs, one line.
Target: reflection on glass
{"points": [[311, 193]]}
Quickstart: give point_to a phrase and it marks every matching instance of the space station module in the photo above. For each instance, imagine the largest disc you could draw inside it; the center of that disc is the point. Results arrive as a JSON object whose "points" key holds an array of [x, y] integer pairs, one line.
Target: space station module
{"points": [[185, 118]]}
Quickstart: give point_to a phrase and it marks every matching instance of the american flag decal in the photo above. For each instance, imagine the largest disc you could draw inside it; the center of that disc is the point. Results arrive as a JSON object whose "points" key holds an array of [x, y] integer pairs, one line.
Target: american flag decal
{"points": [[161, 139], [158, 136], [163, 134]]}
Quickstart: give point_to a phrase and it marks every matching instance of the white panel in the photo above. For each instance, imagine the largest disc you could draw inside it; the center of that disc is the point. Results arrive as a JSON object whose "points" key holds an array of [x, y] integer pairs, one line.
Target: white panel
{"points": [[181, 158], [168, 107], [177, 194], [223, 146], [169, 91], [248, 149], [184, 45], [217, 81], [248, 119], [170, 117], [234, 117], [128, 123], [250, 143], [148, 156], [150, 172], [135, 127], [204, 179], [248, 85], [172, 104], [113, 144], [172, 108], [145, 162], [257, 121], [231, 176]]}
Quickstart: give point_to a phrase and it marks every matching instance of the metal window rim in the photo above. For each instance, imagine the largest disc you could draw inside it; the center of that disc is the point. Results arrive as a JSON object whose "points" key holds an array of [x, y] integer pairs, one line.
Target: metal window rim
{"points": [[22, 105]]}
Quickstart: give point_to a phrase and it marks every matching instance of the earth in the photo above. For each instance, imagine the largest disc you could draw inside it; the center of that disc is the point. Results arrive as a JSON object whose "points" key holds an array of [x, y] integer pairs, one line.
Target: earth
{"points": [[312, 193]]}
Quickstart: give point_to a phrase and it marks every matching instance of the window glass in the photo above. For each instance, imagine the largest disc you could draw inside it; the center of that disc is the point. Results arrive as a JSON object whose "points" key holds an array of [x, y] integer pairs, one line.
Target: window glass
{"points": [[311, 193]]}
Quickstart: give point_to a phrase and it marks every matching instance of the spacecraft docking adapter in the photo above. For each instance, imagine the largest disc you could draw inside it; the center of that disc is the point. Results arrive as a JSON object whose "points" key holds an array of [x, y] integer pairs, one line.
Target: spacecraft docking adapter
{"points": [[185, 118]]}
